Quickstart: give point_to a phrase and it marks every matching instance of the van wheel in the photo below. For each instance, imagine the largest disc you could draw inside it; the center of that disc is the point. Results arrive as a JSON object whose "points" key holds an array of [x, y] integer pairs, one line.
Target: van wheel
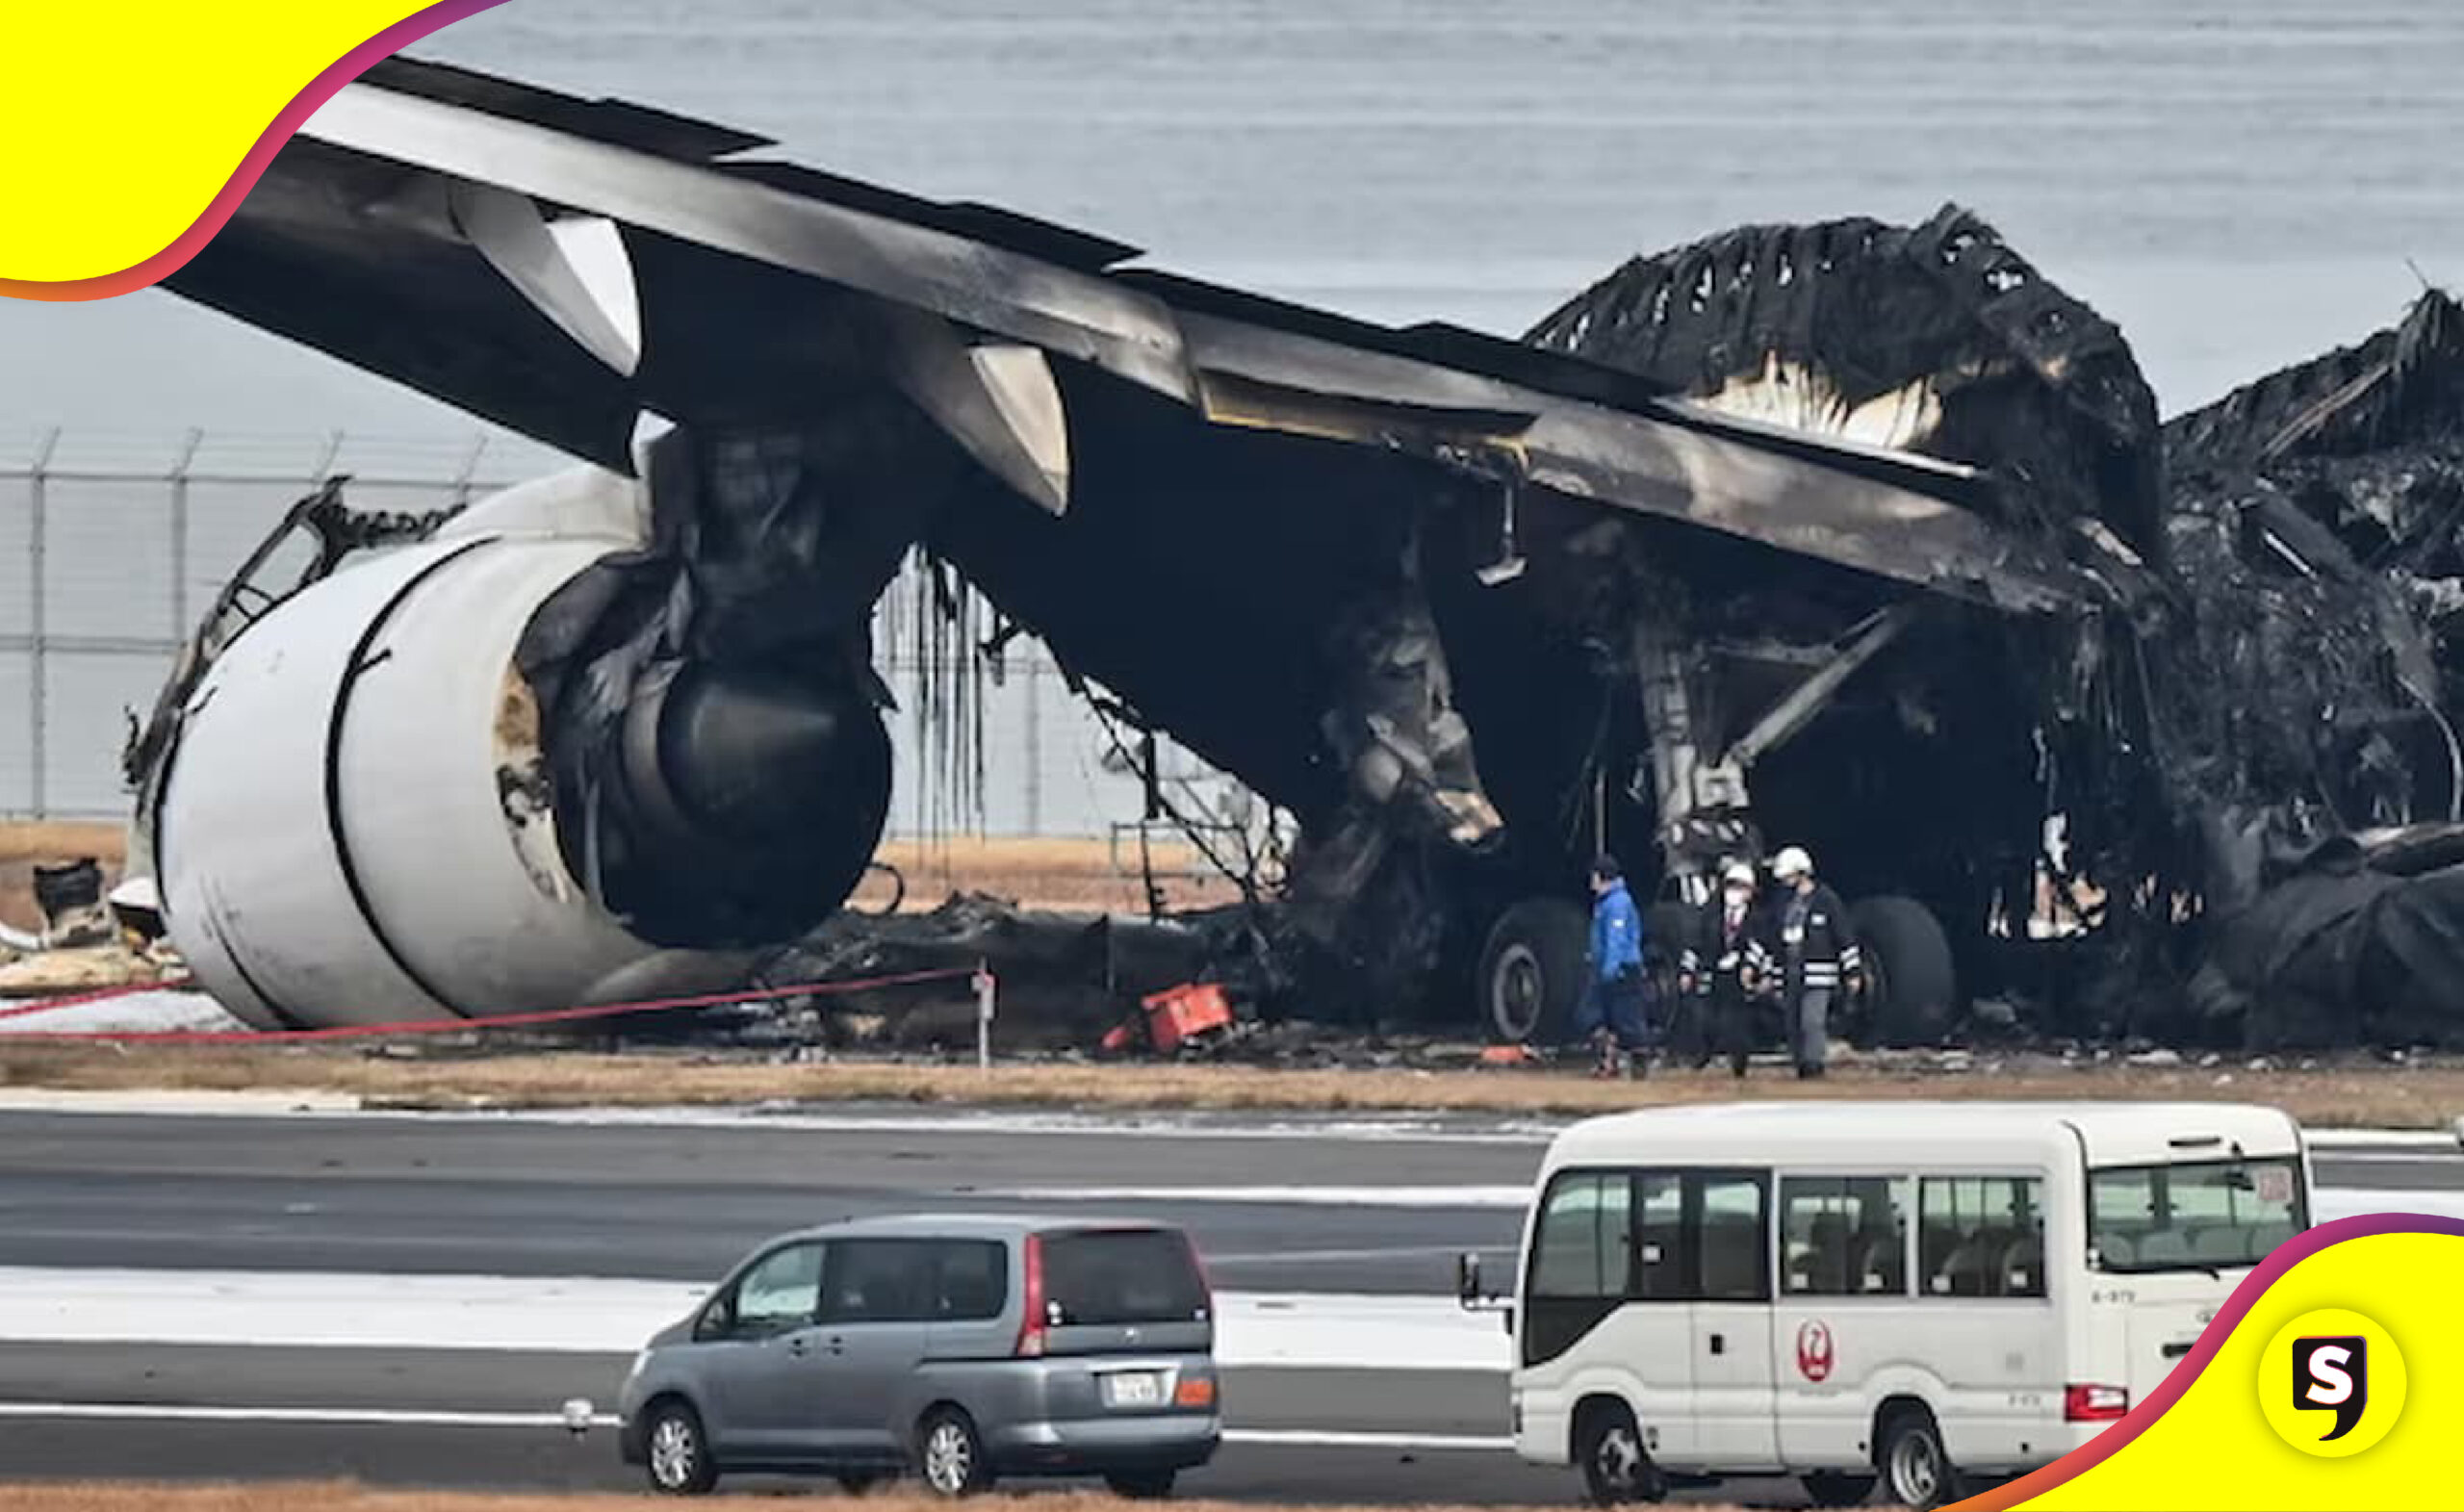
{"points": [[950, 1454], [1831, 1488], [1616, 1468], [1916, 1473], [1141, 1485], [676, 1454], [1533, 971]]}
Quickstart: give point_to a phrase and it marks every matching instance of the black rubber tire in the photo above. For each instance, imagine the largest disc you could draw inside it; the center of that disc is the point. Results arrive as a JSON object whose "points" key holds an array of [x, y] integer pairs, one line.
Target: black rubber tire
{"points": [[1834, 1488], [1915, 1472], [1141, 1485], [1532, 972], [974, 1476], [1617, 1470], [1666, 925], [1912, 982], [698, 1471]]}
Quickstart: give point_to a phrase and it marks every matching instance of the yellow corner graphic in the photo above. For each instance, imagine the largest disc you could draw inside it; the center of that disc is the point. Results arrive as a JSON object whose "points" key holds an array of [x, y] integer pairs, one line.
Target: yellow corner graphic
{"points": [[2334, 1378], [133, 128]]}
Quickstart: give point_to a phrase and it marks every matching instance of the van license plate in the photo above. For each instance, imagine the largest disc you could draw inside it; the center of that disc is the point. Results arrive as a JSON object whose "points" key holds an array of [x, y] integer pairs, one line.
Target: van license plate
{"points": [[1134, 1389]]}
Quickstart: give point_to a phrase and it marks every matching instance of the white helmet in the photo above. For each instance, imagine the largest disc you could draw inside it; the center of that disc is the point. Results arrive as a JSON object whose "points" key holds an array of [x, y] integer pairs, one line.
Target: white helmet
{"points": [[1792, 861], [1737, 874]]}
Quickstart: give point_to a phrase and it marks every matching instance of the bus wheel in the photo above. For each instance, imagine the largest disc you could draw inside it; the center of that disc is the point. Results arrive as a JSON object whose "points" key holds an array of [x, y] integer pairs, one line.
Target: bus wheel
{"points": [[1616, 1468], [1831, 1488], [1915, 1472], [1533, 971]]}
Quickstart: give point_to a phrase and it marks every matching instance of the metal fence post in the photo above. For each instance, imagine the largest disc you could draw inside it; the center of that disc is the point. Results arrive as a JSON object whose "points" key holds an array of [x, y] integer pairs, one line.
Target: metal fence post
{"points": [[37, 672], [180, 533], [1034, 745]]}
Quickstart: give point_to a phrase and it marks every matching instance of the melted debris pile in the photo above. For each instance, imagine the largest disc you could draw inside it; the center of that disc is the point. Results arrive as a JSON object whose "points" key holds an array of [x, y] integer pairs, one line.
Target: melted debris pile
{"points": [[1064, 979], [2339, 918]]}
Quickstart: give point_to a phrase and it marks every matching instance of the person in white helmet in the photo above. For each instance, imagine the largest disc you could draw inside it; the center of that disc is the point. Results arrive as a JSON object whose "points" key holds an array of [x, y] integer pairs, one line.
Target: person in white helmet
{"points": [[1817, 956]]}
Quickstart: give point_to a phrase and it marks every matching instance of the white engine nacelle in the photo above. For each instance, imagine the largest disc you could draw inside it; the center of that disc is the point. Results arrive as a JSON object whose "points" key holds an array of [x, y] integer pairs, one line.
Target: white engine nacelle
{"points": [[351, 829]]}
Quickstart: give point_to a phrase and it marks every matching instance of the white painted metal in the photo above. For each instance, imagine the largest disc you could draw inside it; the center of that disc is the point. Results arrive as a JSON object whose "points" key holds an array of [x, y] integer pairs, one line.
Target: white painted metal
{"points": [[463, 874], [335, 846]]}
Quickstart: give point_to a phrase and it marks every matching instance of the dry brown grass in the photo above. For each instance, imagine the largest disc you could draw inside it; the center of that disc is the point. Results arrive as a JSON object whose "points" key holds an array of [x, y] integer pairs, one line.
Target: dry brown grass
{"points": [[1063, 875], [2391, 1097], [345, 1497], [1066, 875]]}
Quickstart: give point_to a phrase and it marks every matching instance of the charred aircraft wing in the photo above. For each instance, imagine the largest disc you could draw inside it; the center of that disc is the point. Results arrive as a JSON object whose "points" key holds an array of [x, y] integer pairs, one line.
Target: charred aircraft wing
{"points": [[545, 262]]}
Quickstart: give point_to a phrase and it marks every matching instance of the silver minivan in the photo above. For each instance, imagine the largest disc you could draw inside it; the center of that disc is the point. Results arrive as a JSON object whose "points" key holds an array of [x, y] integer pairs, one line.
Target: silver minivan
{"points": [[962, 1349]]}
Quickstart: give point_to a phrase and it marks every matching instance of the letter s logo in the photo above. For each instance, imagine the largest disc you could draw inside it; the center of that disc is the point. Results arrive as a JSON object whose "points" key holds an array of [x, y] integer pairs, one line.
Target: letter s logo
{"points": [[2333, 1382], [2332, 1372], [2329, 1383]]}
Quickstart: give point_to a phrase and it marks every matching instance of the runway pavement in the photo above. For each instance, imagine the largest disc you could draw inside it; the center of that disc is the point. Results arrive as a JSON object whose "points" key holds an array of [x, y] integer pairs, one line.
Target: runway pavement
{"points": [[210, 1297]]}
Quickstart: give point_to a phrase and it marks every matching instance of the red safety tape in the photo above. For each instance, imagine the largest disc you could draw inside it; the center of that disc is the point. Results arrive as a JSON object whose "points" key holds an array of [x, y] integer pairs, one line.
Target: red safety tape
{"points": [[434, 1026]]}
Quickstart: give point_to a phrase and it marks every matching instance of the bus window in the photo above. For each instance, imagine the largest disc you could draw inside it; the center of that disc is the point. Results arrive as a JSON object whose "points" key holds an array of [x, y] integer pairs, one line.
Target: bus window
{"points": [[2199, 1217], [1982, 1236], [1843, 1236], [1734, 1254], [1659, 1265], [1584, 1246]]}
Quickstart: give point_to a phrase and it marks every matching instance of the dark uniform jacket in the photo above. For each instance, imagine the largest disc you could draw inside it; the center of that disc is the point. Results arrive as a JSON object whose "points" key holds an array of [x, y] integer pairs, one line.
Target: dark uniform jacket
{"points": [[1812, 938], [1717, 955]]}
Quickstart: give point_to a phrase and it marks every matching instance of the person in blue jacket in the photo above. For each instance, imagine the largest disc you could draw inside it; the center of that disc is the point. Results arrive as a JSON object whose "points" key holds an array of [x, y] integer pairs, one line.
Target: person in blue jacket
{"points": [[1612, 1010]]}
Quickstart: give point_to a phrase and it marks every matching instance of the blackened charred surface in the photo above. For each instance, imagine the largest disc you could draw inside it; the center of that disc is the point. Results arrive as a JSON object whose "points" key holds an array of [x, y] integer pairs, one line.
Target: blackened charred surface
{"points": [[2317, 512], [721, 766], [1196, 572], [1941, 334], [1932, 772]]}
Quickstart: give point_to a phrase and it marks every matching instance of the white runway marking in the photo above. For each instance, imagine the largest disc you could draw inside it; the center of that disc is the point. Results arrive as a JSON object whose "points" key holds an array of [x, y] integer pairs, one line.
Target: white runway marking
{"points": [[409, 1418], [342, 1417], [990, 1121], [1513, 1198], [577, 1314]]}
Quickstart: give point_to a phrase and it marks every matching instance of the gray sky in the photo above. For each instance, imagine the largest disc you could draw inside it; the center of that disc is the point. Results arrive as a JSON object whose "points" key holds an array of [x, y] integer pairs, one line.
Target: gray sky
{"points": [[2238, 183]]}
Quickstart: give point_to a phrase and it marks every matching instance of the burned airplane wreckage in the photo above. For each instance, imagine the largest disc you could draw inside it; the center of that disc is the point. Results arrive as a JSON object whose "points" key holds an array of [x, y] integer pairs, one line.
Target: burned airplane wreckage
{"points": [[1864, 536]]}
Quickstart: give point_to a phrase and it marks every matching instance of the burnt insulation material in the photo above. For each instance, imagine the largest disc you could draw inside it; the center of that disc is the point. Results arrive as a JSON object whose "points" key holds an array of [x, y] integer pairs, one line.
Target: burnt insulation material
{"points": [[2008, 370]]}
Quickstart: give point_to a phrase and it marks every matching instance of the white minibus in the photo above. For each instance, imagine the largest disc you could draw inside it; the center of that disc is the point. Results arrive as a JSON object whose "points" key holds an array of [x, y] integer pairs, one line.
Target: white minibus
{"points": [[1933, 1295]]}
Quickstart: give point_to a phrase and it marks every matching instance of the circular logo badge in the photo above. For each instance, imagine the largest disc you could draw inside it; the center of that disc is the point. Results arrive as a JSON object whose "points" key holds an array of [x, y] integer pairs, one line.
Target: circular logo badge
{"points": [[1814, 1350], [2333, 1382]]}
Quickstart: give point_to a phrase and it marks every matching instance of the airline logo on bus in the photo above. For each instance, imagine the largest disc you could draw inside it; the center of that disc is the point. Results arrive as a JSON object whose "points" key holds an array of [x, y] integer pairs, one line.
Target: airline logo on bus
{"points": [[1814, 1350]]}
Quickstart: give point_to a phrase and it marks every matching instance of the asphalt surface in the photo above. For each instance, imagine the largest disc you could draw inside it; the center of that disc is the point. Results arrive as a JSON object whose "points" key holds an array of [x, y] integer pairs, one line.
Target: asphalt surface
{"points": [[501, 1198], [90, 1191]]}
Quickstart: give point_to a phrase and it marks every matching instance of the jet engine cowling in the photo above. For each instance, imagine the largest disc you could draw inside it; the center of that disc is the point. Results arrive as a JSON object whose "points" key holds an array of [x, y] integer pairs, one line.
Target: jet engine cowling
{"points": [[359, 824]]}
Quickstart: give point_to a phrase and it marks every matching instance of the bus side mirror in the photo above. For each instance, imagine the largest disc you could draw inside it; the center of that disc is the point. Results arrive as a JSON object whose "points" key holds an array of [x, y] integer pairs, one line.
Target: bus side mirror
{"points": [[1474, 1297]]}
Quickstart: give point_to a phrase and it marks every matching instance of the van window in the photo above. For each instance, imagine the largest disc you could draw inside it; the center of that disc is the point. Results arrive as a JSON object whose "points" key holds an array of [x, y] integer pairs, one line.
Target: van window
{"points": [[779, 1294], [973, 1279], [1843, 1236], [1132, 1275], [1584, 1246], [2198, 1217], [1982, 1236], [879, 1281]]}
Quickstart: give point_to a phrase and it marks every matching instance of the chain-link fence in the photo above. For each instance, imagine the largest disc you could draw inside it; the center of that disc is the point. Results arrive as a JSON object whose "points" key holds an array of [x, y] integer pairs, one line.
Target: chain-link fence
{"points": [[110, 547]]}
